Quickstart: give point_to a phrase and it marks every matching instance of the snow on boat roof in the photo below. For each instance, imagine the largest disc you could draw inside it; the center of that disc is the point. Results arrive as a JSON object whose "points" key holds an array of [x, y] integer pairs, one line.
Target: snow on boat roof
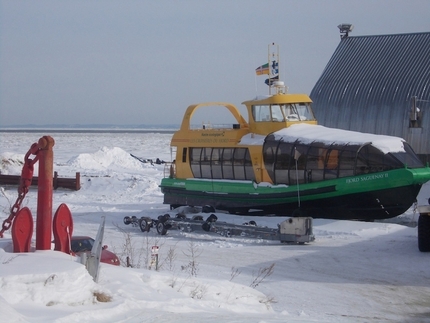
{"points": [[252, 139], [307, 134]]}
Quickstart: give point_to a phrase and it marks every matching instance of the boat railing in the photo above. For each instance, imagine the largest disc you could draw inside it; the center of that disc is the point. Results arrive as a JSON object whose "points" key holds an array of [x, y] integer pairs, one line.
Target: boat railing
{"points": [[170, 169], [215, 126]]}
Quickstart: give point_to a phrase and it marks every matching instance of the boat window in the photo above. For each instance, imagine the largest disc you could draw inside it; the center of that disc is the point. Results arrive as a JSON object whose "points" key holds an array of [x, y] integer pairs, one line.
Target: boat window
{"points": [[315, 163], [195, 161], [227, 163], [249, 171], [280, 113], [269, 154], [287, 163], [261, 113], [221, 163], [347, 156], [205, 163], [331, 163], [216, 163], [305, 110], [283, 162], [298, 112], [239, 163], [408, 158], [299, 174], [277, 115], [372, 160]]}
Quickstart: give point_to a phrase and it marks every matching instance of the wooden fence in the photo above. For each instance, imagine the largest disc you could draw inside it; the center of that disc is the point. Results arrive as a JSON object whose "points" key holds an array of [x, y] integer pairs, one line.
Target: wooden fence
{"points": [[70, 183]]}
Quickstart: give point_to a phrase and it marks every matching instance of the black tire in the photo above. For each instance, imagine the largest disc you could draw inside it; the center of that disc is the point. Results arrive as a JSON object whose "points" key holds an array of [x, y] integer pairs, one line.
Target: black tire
{"points": [[127, 220], [206, 227], [208, 209], [424, 233], [143, 225], [212, 218], [197, 218], [163, 218], [161, 228]]}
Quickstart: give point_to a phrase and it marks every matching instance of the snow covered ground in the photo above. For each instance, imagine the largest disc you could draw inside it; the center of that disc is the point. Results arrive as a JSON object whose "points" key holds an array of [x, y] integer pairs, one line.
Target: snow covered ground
{"points": [[353, 272]]}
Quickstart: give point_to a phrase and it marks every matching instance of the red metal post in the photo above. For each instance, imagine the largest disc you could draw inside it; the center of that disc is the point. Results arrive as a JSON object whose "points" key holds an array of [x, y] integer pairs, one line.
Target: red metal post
{"points": [[44, 194]]}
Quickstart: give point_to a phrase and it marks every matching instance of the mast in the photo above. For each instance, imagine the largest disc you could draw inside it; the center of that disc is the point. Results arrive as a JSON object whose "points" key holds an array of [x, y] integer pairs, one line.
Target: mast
{"points": [[273, 61]]}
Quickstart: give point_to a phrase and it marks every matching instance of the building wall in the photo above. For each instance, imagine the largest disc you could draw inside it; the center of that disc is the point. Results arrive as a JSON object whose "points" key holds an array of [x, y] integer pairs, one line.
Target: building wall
{"points": [[368, 86]]}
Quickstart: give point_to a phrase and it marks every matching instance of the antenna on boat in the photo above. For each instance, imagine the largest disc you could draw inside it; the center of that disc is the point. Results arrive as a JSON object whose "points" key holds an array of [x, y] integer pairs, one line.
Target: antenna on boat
{"points": [[271, 68], [297, 155]]}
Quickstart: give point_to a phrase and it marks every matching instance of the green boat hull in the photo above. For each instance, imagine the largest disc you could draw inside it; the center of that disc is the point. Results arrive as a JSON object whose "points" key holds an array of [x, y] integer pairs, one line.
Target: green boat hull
{"points": [[365, 197]]}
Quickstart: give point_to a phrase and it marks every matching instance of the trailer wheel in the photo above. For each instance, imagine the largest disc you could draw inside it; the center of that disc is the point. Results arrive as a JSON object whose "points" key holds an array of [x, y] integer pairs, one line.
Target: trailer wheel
{"points": [[163, 218], [208, 209], [143, 225], [424, 233], [206, 226], [212, 218], [161, 228], [127, 220]]}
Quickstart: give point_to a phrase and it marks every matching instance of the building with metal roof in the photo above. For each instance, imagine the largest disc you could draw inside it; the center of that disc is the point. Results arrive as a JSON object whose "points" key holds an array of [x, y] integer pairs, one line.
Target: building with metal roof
{"points": [[378, 84]]}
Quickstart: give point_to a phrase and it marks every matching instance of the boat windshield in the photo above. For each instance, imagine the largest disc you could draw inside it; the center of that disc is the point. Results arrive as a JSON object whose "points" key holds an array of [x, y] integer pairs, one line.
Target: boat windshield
{"points": [[283, 112], [294, 162]]}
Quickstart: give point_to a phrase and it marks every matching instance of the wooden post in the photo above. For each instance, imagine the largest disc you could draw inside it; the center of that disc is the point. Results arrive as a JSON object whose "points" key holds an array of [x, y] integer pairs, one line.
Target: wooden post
{"points": [[78, 181], [55, 180]]}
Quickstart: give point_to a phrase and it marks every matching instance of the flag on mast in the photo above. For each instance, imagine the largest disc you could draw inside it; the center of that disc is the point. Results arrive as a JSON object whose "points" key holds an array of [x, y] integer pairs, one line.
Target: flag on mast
{"points": [[263, 69]]}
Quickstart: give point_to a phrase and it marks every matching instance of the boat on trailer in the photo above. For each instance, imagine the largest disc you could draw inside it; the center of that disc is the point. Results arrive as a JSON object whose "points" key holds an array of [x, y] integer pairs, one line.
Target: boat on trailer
{"points": [[282, 162]]}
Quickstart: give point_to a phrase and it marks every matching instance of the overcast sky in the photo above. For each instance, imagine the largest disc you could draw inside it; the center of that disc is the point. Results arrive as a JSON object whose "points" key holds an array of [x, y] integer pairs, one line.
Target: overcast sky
{"points": [[143, 62]]}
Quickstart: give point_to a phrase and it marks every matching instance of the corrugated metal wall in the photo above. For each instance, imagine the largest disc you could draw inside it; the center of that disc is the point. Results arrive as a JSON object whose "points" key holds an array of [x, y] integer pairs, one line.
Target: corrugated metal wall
{"points": [[368, 86]]}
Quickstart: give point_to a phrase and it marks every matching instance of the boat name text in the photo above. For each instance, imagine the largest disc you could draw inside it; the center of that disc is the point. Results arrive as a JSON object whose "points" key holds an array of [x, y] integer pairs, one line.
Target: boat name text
{"points": [[213, 134], [366, 178]]}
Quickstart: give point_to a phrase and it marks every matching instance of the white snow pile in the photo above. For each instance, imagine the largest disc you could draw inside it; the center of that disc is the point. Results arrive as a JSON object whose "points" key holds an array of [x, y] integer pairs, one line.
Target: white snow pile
{"points": [[106, 159]]}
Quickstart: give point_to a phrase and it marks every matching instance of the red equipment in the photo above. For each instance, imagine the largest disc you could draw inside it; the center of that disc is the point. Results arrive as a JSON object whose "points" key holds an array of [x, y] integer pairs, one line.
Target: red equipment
{"points": [[22, 228]]}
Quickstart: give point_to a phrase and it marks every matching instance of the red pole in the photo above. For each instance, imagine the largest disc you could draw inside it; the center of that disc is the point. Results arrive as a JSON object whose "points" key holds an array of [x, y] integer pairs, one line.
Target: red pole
{"points": [[44, 194]]}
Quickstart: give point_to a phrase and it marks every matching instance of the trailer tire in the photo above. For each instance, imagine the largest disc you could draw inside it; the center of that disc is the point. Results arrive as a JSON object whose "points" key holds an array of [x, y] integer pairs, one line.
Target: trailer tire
{"points": [[212, 218], [206, 227], [143, 225], [208, 209], [424, 233], [163, 218], [161, 228]]}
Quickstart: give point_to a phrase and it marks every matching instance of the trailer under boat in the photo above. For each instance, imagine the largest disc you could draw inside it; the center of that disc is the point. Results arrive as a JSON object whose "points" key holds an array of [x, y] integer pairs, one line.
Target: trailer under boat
{"points": [[293, 230], [281, 162]]}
